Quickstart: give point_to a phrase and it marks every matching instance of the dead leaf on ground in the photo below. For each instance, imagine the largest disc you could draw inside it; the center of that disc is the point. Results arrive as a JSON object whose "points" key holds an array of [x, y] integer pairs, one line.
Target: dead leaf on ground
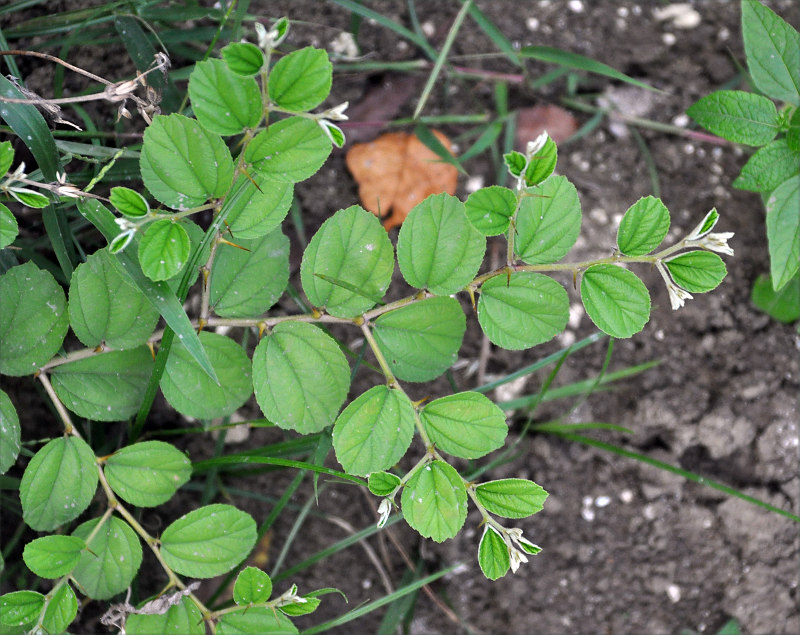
{"points": [[531, 122], [396, 171], [381, 103]]}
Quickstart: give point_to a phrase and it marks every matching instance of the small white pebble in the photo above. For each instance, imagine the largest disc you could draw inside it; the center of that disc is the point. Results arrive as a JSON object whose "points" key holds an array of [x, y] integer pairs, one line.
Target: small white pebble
{"points": [[532, 24], [474, 183], [626, 496], [576, 6], [428, 29], [674, 593], [669, 39], [681, 120], [602, 501]]}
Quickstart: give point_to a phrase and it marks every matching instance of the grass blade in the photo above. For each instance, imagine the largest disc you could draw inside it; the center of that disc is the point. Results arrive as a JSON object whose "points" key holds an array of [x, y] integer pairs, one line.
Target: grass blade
{"points": [[495, 34], [202, 466], [433, 144]]}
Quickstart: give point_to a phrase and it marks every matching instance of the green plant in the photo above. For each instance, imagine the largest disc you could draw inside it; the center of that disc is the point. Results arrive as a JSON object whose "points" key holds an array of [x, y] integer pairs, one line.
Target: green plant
{"points": [[772, 48], [299, 371]]}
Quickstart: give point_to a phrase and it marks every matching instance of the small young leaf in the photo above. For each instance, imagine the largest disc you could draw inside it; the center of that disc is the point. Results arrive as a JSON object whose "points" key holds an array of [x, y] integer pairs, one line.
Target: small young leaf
{"points": [[615, 299], [511, 497], [437, 247], [253, 211], [30, 198], [542, 163], [112, 559], [490, 209], [183, 164], [61, 610], [783, 232], [6, 157], [301, 377], [108, 387], [783, 305], [301, 80], [34, 330], [515, 162], [184, 618], [383, 483], [189, 389], [289, 150], [147, 474], [243, 58], [164, 249], [129, 202], [769, 167], [209, 541], [523, 310], [10, 435], [421, 340], [252, 586], [258, 620], [467, 425], [8, 227], [548, 221], [310, 605], [353, 247], [20, 608], [434, 501], [333, 132], [737, 116], [53, 556], [374, 431], [58, 483], [696, 271], [223, 101], [493, 556], [247, 283], [643, 227]]}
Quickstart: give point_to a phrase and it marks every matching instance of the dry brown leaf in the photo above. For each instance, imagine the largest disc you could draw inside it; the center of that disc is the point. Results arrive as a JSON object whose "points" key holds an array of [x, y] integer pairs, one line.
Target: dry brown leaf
{"points": [[531, 122], [396, 171]]}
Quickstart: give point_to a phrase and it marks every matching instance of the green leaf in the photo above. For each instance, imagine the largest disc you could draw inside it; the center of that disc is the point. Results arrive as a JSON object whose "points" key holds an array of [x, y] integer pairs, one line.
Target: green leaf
{"points": [[374, 431], [548, 221], [129, 202], [20, 608], [189, 389], [253, 211], [643, 227], [164, 249], [493, 556], [769, 167], [61, 610], [209, 541], [301, 80], [258, 620], [183, 618], [223, 101], [252, 586], [58, 483], [107, 387], [243, 58], [301, 377], [437, 247], [351, 246], [421, 340], [467, 425], [542, 163], [6, 157], [8, 227], [10, 434], [615, 299], [696, 271], [247, 283], [289, 150], [383, 483], [522, 310], [783, 305], [183, 164], [783, 232], [333, 132], [737, 116], [106, 308], [511, 497], [490, 209], [773, 52], [147, 474], [793, 131], [33, 321], [29, 197], [435, 501], [112, 559], [53, 556], [310, 605], [515, 162]]}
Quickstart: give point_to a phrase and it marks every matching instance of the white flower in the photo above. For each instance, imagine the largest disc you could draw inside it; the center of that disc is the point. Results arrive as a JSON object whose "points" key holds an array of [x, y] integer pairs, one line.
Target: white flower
{"points": [[517, 558], [677, 295], [289, 597], [65, 189], [537, 144], [714, 242], [384, 509], [337, 112]]}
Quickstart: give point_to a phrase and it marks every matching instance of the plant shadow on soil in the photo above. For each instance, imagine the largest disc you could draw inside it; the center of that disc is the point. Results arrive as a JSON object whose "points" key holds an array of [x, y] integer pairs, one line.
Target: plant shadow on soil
{"points": [[627, 548]]}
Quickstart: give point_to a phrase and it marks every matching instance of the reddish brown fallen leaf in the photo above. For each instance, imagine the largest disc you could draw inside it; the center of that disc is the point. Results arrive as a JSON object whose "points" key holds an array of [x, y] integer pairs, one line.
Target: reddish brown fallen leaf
{"points": [[396, 171], [531, 122], [381, 103]]}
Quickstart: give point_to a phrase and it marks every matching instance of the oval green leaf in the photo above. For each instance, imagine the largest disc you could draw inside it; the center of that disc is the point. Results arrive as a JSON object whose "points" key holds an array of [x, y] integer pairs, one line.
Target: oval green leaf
{"points": [[10, 433], [183, 618], [8, 227], [783, 232], [511, 497], [769, 167], [490, 209], [383, 483], [300, 376], [20, 608], [6, 157], [61, 610], [164, 249], [258, 620], [129, 202], [58, 483], [183, 164], [243, 58], [33, 321], [542, 163], [493, 556], [434, 501], [289, 150], [352, 247], [253, 211], [643, 227], [421, 340], [697, 271], [438, 248], [548, 221], [737, 116], [301, 80], [467, 424], [209, 541], [523, 310], [615, 299], [112, 559], [252, 585], [223, 101], [374, 431], [147, 474], [189, 389], [53, 556]]}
